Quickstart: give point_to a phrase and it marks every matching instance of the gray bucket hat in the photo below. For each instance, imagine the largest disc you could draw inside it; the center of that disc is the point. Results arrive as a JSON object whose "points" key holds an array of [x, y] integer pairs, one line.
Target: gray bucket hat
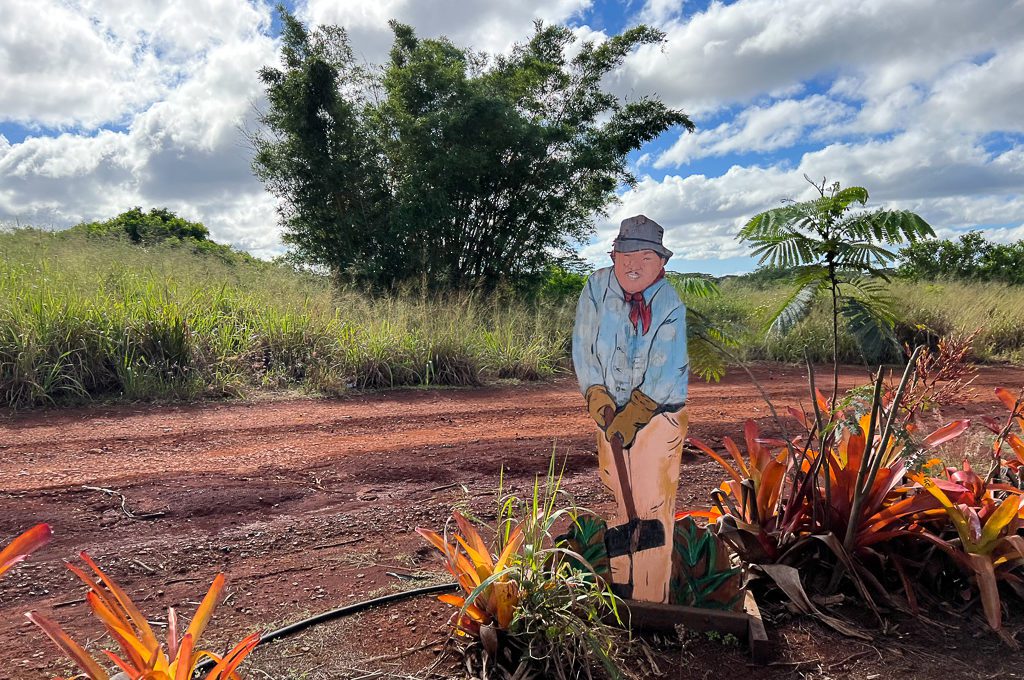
{"points": [[640, 233]]}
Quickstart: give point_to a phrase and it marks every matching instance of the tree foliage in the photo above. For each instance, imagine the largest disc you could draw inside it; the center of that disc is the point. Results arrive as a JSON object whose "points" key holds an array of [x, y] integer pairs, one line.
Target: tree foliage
{"points": [[834, 250], [969, 257], [158, 225], [444, 165]]}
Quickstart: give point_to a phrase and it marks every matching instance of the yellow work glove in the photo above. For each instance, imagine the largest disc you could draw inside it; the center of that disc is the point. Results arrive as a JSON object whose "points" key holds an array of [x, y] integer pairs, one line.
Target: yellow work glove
{"points": [[598, 400], [633, 416]]}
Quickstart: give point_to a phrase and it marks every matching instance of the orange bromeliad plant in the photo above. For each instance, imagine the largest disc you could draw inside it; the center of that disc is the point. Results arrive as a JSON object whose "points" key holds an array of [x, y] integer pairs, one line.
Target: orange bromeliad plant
{"points": [[884, 498], [849, 489], [142, 655], [490, 593], [989, 545], [752, 494]]}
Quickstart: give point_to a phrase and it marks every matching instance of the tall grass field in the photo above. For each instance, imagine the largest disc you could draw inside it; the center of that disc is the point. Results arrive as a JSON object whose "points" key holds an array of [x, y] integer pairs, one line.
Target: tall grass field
{"points": [[925, 311], [84, 318]]}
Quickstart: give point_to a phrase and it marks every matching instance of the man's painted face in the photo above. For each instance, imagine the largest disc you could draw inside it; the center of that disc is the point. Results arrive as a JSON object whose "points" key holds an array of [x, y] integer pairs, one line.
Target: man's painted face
{"points": [[636, 271]]}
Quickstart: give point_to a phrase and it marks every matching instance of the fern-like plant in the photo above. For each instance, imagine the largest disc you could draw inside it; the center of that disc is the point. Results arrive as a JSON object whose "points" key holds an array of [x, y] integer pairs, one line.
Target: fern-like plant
{"points": [[837, 251], [707, 344]]}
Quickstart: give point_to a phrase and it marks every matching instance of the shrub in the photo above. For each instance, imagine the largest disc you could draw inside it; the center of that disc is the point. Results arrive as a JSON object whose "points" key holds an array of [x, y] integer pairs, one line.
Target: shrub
{"points": [[527, 605], [842, 499]]}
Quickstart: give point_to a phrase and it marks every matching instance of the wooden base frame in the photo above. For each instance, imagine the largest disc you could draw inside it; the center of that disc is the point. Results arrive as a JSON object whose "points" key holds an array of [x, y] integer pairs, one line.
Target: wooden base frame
{"points": [[746, 625]]}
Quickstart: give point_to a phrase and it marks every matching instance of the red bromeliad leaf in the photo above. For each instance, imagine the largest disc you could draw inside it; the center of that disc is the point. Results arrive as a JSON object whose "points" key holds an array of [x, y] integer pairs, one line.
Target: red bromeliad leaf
{"points": [[800, 417], [1012, 548], [969, 480], [225, 668], [755, 452], [506, 597], [734, 451], [183, 669], [452, 599], [1006, 396], [1004, 517], [729, 469], [141, 623], [23, 545], [125, 636], [172, 633], [946, 433], [130, 669], [773, 479], [992, 424], [1017, 445], [457, 564], [481, 561], [515, 541], [74, 651], [955, 512], [205, 611], [985, 576], [483, 554], [822, 401], [471, 610]]}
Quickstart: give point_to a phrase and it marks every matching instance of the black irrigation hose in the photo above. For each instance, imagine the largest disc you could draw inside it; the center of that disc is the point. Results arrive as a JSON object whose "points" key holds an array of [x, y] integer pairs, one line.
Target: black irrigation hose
{"points": [[338, 613]]}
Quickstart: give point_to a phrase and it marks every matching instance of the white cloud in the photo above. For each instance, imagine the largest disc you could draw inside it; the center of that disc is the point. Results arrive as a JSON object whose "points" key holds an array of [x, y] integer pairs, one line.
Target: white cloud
{"points": [[94, 62], [981, 97], [660, 12], [951, 182], [918, 100], [759, 128], [701, 215], [183, 152], [490, 25], [734, 53]]}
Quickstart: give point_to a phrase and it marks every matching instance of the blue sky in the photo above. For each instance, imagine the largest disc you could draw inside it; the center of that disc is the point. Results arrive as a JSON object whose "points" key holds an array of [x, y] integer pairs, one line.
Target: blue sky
{"points": [[143, 103]]}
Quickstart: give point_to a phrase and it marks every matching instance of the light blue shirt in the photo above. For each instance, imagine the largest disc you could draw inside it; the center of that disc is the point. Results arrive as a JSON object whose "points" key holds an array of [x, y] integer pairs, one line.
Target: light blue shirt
{"points": [[606, 350]]}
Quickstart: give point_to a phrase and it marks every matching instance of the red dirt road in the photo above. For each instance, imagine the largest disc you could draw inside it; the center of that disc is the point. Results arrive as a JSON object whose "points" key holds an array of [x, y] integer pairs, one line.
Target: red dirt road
{"points": [[308, 504]]}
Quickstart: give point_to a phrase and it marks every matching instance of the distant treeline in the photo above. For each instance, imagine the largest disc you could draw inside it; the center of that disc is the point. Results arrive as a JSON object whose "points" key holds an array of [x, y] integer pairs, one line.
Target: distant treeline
{"points": [[971, 258]]}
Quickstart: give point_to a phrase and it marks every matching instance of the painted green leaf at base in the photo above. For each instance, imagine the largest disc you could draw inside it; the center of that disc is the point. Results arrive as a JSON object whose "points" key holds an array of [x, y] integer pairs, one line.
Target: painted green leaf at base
{"points": [[586, 537], [702, 572]]}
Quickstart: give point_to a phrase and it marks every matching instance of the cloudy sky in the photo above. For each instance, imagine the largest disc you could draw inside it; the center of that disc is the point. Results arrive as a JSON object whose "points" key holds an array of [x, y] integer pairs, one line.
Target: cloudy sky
{"points": [[107, 104]]}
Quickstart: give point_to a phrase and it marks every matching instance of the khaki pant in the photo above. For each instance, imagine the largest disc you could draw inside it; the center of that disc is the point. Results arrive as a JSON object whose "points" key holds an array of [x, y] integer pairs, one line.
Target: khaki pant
{"points": [[653, 476]]}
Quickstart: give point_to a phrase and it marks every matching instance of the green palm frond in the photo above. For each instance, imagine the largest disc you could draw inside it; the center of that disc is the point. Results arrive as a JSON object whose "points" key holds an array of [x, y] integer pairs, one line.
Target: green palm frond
{"points": [[798, 305], [703, 341], [784, 249], [705, 359], [695, 287], [889, 226], [777, 220], [844, 197], [871, 292], [869, 327], [861, 255], [809, 272]]}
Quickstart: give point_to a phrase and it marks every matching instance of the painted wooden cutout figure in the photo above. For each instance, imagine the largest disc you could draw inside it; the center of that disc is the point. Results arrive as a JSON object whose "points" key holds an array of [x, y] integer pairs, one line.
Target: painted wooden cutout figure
{"points": [[629, 350]]}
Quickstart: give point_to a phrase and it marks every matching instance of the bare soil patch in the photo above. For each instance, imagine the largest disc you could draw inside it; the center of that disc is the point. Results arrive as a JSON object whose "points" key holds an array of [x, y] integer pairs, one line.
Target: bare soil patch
{"points": [[310, 504]]}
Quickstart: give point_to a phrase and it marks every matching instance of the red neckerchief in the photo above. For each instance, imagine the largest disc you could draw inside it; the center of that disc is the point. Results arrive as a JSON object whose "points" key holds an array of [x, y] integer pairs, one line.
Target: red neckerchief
{"points": [[640, 309]]}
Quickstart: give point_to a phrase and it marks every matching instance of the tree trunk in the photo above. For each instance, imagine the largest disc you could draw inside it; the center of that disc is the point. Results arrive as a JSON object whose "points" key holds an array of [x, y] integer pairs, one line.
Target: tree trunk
{"points": [[835, 334]]}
